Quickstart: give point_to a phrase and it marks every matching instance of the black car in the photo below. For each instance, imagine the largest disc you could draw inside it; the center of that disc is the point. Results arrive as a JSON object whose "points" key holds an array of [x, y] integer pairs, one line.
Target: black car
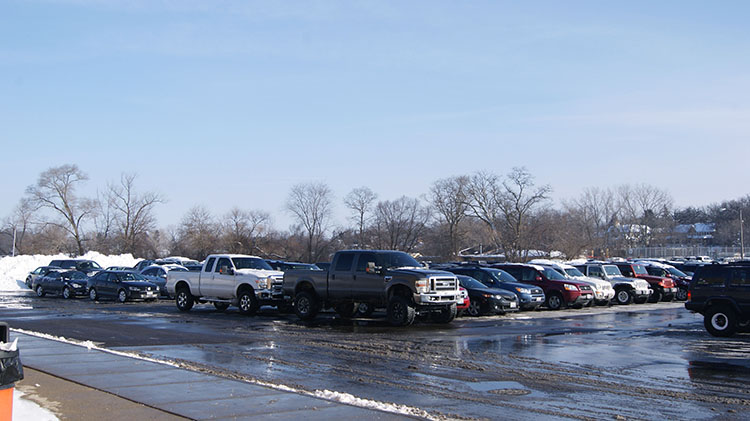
{"points": [[721, 293], [83, 265], [485, 300], [67, 284], [38, 273], [121, 286], [530, 297]]}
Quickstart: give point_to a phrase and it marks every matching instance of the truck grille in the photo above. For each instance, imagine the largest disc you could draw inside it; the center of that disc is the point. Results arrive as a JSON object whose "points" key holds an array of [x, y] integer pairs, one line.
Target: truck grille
{"points": [[443, 284], [277, 284]]}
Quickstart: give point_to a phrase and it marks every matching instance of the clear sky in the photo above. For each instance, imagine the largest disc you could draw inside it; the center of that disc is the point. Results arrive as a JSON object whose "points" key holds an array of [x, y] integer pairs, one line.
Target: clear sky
{"points": [[230, 103]]}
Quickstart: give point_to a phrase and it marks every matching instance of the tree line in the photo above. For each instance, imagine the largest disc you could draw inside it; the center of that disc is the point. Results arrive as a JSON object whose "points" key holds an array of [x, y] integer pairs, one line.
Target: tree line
{"points": [[483, 212]]}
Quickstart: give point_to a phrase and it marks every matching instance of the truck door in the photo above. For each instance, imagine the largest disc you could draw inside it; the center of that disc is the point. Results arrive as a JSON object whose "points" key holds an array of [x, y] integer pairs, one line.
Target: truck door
{"points": [[739, 288], [369, 287], [341, 276], [223, 284], [207, 278]]}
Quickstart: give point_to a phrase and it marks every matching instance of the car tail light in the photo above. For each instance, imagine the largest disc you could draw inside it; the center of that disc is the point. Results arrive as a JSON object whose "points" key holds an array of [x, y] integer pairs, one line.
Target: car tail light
{"points": [[689, 295]]}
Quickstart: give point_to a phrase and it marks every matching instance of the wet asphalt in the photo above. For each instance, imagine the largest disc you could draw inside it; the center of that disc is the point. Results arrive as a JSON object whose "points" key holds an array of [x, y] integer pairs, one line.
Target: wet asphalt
{"points": [[649, 361]]}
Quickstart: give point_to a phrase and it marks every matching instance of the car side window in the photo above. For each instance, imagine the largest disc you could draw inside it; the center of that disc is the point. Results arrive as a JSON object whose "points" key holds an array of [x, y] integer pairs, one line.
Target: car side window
{"points": [[222, 263], [480, 276], [210, 264], [740, 278], [344, 262], [148, 272], [528, 274], [514, 272], [712, 277], [363, 260], [626, 271], [595, 271], [112, 277]]}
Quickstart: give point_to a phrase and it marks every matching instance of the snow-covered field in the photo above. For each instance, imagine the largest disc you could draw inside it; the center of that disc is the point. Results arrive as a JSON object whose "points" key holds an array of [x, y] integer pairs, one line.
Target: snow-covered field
{"points": [[13, 270]]}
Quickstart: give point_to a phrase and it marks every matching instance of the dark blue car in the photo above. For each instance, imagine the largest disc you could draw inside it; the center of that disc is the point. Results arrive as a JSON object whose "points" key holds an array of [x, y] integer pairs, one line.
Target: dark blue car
{"points": [[530, 297]]}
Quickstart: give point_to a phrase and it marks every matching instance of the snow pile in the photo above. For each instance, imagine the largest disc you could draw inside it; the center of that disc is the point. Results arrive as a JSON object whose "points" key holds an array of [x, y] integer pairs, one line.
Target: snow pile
{"points": [[14, 270], [27, 410], [393, 408]]}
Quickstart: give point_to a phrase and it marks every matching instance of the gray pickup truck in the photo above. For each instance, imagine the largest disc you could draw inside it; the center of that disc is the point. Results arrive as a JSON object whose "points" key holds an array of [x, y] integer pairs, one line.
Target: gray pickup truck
{"points": [[362, 280]]}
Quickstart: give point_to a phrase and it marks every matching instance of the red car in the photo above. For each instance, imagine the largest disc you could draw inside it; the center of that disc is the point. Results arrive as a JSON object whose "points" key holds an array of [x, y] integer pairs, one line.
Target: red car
{"points": [[558, 290], [664, 288], [460, 308]]}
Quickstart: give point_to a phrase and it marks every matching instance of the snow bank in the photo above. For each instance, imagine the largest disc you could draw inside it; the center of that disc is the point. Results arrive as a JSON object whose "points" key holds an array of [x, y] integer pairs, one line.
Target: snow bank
{"points": [[24, 409], [13, 270]]}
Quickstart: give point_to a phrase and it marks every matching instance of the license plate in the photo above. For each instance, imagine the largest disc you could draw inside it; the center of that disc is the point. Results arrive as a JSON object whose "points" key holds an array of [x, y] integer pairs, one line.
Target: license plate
{"points": [[587, 296], [538, 299], [512, 305]]}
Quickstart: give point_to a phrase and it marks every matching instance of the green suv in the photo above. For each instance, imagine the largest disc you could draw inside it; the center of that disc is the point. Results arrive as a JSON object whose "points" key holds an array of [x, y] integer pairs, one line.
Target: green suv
{"points": [[721, 293]]}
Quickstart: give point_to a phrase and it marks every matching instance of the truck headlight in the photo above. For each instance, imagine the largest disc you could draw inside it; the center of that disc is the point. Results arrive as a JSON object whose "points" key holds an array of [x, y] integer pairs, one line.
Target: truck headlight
{"points": [[422, 286], [571, 287], [263, 283]]}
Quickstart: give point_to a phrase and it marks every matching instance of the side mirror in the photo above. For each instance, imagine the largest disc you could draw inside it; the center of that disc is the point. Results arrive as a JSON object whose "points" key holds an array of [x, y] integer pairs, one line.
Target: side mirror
{"points": [[538, 278], [226, 270], [371, 268]]}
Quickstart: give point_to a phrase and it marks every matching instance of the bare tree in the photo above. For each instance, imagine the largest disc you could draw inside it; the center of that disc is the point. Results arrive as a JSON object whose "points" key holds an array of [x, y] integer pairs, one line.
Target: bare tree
{"points": [[55, 190], [198, 234], [484, 202], [133, 212], [19, 224], [310, 204], [360, 201], [520, 200], [450, 197], [594, 215], [644, 208], [242, 229], [401, 223]]}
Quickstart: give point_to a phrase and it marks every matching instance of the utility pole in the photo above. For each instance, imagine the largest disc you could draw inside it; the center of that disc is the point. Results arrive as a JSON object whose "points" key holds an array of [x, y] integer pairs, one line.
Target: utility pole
{"points": [[13, 253], [742, 237]]}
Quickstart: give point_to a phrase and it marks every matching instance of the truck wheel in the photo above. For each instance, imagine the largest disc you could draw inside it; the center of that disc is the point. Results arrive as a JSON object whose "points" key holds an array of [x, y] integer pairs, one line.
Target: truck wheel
{"points": [[184, 299], [446, 315], [624, 296], [555, 301], [720, 321], [221, 306], [306, 305], [400, 311], [248, 304], [364, 310], [345, 310]]}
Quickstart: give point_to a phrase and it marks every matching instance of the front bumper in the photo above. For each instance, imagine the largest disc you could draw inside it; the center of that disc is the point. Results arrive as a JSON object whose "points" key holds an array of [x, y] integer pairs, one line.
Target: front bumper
{"points": [[501, 306], [143, 295], [582, 298], [530, 302], [440, 298]]}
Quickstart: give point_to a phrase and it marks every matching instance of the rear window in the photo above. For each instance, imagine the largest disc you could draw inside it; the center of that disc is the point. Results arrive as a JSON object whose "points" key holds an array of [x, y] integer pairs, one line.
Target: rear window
{"points": [[710, 276], [344, 262]]}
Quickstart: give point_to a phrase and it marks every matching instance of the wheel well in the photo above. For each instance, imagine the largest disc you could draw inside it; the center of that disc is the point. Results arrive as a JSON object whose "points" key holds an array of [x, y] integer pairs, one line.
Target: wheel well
{"points": [[303, 286], [244, 288], [721, 303], [180, 285], [400, 290]]}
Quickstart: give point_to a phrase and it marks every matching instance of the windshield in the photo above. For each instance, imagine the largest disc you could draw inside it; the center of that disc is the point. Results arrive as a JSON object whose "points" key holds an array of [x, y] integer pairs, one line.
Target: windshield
{"points": [[612, 270], [88, 264], [75, 275], [396, 259], [250, 263], [573, 272], [501, 275], [470, 283], [553, 275], [676, 272], [130, 276], [640, 270]]}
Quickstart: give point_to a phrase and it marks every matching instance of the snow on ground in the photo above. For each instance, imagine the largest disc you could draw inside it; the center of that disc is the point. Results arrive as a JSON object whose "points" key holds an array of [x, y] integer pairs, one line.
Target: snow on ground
{"points": [[27, 410], [13, 270]]}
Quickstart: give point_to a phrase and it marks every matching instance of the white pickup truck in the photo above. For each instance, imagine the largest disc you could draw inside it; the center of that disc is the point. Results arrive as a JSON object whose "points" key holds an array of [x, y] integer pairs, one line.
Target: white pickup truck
{"points": [[228, 279]]}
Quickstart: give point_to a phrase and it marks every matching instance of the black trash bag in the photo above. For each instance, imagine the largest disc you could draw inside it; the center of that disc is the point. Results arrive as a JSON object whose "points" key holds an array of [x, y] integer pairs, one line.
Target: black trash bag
{"points": [[11, 369]]}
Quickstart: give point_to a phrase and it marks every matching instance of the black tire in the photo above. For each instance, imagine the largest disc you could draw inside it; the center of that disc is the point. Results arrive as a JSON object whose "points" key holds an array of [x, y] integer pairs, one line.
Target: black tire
{"points": [[28, 281], [247, 303], [681, 294], [555, 301], [720, 321], [364, 310], [221, 306], [306, 305], [66, 293], [656, 296], [285, 308], [475, 308], [184, 299], [445, 315], [400, 311], [93, 295], [40, 291], [641, 300], [122, 296], [624, 296], [345, 310]]}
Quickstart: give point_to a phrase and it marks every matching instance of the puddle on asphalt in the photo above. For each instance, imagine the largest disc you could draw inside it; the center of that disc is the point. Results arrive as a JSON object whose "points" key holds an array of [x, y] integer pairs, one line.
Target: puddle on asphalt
{"points": [[500, 388]]}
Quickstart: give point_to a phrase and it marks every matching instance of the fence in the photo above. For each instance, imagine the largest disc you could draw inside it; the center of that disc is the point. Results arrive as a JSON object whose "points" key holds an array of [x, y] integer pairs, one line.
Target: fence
{"points": [[715, 252]]}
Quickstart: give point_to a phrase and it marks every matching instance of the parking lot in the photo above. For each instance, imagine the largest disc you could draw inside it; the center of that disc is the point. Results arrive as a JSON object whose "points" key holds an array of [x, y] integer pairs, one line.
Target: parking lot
{"points": [[647, 361]]}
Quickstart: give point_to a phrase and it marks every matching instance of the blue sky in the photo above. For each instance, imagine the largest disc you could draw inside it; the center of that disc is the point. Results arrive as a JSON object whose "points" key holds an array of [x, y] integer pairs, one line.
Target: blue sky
{"points": [[230, 103]]}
